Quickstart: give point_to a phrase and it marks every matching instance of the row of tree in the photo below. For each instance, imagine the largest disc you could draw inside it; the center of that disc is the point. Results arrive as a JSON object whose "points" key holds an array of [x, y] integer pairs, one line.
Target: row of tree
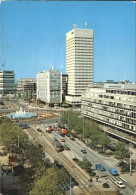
{"points": [[40, 175], [87, 129], [85, 164]]}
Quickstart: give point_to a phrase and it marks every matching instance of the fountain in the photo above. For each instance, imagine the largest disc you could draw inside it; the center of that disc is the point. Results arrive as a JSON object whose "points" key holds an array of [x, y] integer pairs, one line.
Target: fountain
{"points": [[21, 114]]}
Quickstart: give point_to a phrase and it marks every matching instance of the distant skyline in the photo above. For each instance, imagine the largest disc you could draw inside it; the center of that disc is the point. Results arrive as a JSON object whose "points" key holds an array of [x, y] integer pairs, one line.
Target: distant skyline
{"points": [[33, 36]]}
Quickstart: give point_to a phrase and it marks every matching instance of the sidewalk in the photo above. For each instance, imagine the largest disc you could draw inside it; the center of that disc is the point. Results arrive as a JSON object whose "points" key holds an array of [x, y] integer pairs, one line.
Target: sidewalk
{"points": [[131, 179]]}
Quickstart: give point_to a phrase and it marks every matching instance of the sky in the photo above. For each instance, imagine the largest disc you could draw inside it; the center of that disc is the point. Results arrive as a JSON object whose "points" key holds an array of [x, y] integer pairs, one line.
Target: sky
{"points": [[33, 36]]}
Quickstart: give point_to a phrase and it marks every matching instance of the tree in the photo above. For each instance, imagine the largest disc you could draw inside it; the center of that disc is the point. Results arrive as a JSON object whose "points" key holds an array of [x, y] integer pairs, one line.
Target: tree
{"points": [[48, 184], [32, 174], [11, 135], [85, 164], [34, 154], [121, 151]]}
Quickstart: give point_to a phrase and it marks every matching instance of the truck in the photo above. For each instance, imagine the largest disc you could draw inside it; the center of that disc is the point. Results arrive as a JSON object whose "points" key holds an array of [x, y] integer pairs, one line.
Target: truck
{"points": [[113, 171], [62, 132]]}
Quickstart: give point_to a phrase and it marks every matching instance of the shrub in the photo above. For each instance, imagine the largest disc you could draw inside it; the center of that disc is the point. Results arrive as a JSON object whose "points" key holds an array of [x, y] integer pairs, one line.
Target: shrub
{"points": [[101, 152]]}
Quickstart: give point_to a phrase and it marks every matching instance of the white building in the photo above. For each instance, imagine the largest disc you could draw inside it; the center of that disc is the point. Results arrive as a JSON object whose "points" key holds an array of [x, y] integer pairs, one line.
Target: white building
{"points": [[7, 82], [49, 86], [79, 63], [114, 107]]}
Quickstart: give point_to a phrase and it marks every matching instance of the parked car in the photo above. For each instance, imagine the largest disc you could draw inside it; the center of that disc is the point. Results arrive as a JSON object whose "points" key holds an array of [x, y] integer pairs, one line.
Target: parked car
{"points": [[72, 138], [120, 184], [38, 129], [84, 151], [113, 171], [120, 163], [63, 140], [103, 168], [106, 185], [66, 147], [55, 139]]}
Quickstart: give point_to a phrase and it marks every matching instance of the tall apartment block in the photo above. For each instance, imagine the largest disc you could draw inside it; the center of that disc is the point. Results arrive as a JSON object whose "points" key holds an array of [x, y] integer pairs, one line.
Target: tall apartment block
{"points": [[114, 106], [7, 82], [49, 86], [79, 63]]}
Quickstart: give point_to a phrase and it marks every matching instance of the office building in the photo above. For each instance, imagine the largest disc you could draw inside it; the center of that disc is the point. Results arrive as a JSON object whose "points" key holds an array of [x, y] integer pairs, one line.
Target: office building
{"points": [[79, 63], [49, 86], [114, 107], [7, 82], [27, 85]]}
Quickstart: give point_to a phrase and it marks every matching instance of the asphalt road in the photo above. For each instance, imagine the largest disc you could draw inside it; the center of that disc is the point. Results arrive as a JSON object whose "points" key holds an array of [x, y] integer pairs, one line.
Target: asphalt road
{"points": [[76, 146]]}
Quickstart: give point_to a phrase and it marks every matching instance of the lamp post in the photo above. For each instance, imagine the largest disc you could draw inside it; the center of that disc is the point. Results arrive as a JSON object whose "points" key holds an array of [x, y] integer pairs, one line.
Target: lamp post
{"points": [[70, 185], [68, 121], [130, 159], [18, 136], [0, 177], [83, 128]]}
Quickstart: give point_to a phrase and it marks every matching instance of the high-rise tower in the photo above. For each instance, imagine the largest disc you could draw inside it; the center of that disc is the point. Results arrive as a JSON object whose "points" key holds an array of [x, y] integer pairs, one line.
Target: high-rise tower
{"points": [[79, 63]]}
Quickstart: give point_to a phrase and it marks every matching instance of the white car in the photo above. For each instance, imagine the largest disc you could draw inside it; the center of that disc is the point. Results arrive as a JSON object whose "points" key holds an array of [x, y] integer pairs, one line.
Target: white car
{"points": [[120, 184]]}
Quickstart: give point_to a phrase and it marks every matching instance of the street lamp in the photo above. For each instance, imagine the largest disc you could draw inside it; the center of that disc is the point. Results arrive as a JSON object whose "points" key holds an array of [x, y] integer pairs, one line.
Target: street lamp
{"points": [[70, 184], [130, 158], [68, 121], [83, 126]]}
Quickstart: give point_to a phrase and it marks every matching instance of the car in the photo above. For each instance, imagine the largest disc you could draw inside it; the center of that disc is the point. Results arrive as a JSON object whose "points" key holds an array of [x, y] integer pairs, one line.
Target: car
{"points": [[63, 140], [113, 171], [66, 147], [120, 164], [103, 168], [72, 138], [74, 135], [75, 159], [38, 129], [55, 139], [84, 151], [120, 184], [48, 131], [106, 185]]}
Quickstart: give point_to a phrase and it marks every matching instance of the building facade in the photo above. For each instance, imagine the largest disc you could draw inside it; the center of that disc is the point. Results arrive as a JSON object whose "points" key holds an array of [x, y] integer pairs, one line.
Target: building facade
{"points": [[64, 85], [79, 63], [113, 107], [7, 82], [27, 85], [49, 86]]}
